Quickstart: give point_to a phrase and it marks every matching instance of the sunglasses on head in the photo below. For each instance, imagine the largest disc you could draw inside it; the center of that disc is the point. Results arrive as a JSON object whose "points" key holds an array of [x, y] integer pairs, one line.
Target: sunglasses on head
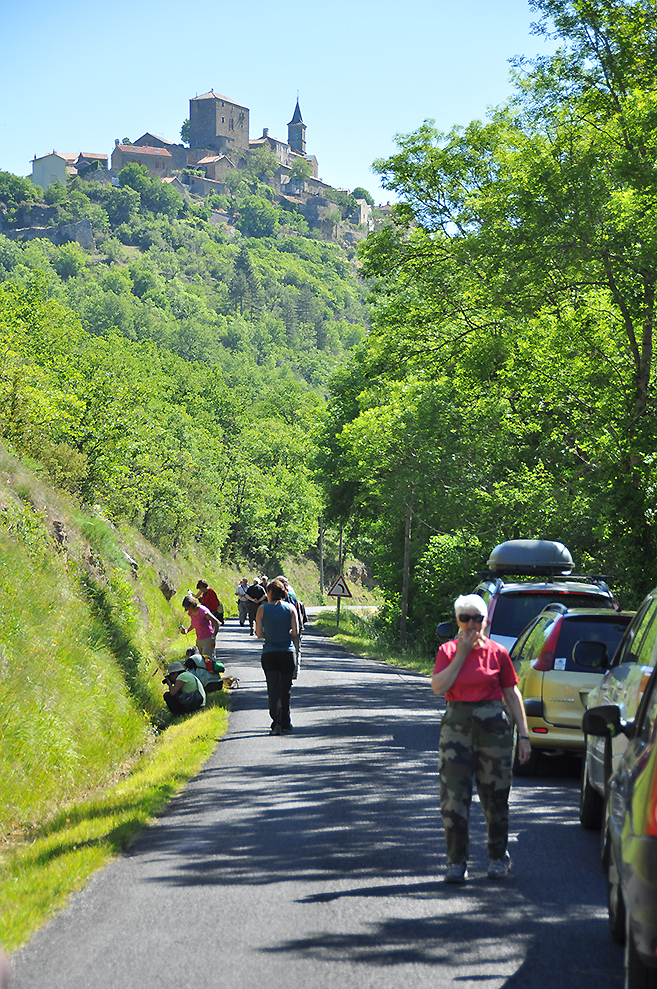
{"points": [[478, 619]]}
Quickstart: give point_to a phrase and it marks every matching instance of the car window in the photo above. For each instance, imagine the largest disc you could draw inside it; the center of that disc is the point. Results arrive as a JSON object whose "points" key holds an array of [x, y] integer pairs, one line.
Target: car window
{"points": [[636, 633], [537, 637], [575, 629], [646, 652], [515, 610]]}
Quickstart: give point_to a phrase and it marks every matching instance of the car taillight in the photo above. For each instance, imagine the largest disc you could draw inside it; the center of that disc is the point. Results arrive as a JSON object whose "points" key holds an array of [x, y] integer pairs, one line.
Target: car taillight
{"points": [[650, 821], [545, 658], [545, 661]]}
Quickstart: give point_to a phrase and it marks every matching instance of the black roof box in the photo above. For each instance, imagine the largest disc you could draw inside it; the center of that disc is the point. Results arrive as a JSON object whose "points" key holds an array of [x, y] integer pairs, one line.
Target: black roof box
{"points": [[536, 557]]}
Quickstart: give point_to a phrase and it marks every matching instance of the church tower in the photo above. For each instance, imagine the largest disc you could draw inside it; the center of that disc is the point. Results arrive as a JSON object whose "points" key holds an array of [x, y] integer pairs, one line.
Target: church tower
{"points": [[296, 132]]}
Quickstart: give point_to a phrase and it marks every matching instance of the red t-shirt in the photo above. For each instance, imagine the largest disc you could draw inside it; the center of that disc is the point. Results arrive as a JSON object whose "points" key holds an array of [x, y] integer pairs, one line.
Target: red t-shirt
{"points": [[486, 671], [210, 600]]}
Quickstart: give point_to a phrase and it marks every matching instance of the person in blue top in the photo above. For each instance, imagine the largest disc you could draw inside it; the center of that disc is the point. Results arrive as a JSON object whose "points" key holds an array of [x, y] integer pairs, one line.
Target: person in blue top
{"points": [[277, 623]]}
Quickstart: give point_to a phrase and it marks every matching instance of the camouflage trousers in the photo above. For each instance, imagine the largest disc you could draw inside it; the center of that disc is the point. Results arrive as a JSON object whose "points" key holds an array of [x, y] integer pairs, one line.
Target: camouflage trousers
{"points": [[475, 739]]}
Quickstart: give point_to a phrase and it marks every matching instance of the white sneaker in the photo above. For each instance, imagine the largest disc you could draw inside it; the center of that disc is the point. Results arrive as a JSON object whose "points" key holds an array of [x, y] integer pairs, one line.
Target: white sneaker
{"points": [[499, 868], [457, 873]]}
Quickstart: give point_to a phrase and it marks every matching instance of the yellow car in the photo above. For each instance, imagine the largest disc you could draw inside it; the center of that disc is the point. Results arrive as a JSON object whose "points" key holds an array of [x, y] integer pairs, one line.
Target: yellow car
{"points": [[550, 659]]}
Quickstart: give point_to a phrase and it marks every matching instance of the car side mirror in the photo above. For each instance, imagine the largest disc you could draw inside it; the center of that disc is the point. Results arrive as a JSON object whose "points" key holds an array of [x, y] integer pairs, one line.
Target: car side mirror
{"points": [[444, 630], [591, 654], [604, 721]]}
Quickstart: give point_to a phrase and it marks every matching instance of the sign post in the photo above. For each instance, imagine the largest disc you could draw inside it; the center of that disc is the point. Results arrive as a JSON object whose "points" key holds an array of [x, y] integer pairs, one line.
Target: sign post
{"points": [[339, 590]]}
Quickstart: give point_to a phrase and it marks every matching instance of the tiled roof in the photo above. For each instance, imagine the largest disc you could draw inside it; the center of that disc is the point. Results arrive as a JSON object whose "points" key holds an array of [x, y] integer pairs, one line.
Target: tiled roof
{"points": [[217, 96], [93, 154], [135, 149]]}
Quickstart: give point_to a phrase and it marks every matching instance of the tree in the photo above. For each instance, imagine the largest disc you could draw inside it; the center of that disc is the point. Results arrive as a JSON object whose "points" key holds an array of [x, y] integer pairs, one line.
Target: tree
{"points": [[14, 193], [244, 289], [508, 371], [258, 217], [184, 131], [360, 193], [301, 170]]}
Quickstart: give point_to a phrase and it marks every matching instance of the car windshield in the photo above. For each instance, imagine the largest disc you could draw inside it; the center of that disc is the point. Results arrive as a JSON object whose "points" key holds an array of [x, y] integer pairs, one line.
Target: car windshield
{"points": [[600, 629], [517, 609]]}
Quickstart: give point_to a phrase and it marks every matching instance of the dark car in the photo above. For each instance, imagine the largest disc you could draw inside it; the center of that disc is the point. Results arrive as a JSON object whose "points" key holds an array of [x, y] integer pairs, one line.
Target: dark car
{"points": [[545, 568], [631, 823], [559, 658]]}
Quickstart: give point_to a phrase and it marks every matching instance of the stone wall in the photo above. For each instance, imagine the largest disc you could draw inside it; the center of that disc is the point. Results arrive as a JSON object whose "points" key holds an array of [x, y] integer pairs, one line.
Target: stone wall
{"points": [[80, 232]]}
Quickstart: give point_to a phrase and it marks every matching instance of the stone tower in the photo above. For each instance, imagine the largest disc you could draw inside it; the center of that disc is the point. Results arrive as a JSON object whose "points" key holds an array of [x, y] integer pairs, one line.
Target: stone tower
{"points": [[296, 132], [217, 122]]}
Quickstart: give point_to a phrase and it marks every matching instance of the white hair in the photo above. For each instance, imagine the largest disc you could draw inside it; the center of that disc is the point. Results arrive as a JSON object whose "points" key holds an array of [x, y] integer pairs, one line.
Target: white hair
{"points": [[471, 602]]}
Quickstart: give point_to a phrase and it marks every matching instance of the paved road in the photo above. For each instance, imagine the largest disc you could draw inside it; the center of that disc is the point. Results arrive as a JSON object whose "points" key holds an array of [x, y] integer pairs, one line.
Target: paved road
{"points": [[314, 860]]}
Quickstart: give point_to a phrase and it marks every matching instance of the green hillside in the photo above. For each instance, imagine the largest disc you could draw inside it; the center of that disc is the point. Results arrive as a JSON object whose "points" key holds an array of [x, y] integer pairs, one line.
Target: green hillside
{"points": [[175, 371]]}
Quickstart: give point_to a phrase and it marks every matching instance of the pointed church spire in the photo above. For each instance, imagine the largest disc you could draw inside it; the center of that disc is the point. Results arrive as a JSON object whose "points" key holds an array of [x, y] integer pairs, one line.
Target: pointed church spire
{"points": [[296, 131]]}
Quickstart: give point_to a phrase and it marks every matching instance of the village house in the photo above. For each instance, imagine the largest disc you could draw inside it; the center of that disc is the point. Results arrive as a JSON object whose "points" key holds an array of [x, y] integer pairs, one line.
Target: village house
{"points": [[156, 160], [58, 165]]}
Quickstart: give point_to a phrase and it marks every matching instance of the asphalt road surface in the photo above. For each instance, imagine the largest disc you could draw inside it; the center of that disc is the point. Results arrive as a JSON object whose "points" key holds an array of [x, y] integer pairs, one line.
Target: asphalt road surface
{"points": [[315, 860]]}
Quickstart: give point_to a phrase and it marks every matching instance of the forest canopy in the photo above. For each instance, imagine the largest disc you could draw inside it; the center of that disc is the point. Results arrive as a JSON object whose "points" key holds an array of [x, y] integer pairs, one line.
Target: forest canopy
{"points": [[174, 372], [506, 388]]}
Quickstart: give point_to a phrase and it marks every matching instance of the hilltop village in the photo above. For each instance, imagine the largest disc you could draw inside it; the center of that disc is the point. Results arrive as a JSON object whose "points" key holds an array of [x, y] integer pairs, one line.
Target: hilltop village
{"points": [[219, 148]]}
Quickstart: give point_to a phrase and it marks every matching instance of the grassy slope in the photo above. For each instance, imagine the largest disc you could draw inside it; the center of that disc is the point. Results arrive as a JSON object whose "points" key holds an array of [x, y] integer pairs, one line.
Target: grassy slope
{"points": [[84, 762]]}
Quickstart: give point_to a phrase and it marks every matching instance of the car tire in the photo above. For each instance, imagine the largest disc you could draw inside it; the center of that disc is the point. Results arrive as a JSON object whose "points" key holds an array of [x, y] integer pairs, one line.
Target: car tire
{"points": [[591, 805], [524, 768], [637, 975], [615, 905]]}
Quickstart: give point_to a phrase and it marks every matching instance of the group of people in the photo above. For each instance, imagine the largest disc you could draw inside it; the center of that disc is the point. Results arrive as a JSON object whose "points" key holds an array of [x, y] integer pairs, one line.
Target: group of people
{"points": [[474, 673], [205, 612], [251, 596]]}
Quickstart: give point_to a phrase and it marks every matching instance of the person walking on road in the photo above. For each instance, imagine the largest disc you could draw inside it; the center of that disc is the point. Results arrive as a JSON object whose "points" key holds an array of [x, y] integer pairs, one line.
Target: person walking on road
{"points": [[203, 622], [242, 603], [478, 679], [255, 595], [276, 622]]}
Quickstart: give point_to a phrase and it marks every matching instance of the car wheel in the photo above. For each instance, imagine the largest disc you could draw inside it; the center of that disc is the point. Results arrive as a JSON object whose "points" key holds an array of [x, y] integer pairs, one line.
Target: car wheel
{"points": [[524, 768], [637, 975], [590, 801], [615, 904]]}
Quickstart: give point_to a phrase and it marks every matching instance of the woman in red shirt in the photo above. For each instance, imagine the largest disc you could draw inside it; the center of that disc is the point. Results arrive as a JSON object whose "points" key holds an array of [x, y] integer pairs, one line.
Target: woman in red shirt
{"points": [[479, 683]]}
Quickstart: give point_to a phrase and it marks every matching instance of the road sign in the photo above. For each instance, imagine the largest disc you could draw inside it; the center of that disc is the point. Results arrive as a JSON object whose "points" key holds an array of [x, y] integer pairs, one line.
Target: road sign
{"points": [[339, 588]]}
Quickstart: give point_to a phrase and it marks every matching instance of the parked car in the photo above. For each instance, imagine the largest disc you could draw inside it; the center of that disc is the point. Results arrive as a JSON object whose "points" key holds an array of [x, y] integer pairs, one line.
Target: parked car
{"points": [[513, 604], [559, 658], [622, 685], [632, 827]]}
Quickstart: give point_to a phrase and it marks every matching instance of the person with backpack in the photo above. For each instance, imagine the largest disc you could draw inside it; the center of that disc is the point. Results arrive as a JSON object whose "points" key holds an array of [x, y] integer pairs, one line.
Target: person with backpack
{"points": [[185, 693]]}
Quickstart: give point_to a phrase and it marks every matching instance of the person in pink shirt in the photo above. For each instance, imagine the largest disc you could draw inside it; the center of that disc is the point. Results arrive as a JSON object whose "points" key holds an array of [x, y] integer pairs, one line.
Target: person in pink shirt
{"points": [[203, 622], [481, 689]]}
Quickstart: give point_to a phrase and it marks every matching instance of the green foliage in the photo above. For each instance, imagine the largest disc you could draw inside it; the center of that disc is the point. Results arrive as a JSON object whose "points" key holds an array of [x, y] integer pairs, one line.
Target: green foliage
{"points": [[360, 193], [301, 170], [16, 192], [508, 373], [184, 131], [258, 218]]}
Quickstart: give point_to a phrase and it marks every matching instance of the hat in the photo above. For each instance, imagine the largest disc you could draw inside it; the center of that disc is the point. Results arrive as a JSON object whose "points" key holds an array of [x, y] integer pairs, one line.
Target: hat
{"points": [[175, 668]]}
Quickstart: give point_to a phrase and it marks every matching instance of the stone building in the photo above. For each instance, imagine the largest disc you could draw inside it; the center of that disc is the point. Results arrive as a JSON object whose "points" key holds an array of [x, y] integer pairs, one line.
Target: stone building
{"points": [[219, 123], [178, 152], [156, 160]]}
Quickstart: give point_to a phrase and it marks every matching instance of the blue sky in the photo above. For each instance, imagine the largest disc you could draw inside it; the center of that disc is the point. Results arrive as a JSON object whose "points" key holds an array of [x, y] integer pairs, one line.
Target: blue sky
{"points": [[74, 75]]}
